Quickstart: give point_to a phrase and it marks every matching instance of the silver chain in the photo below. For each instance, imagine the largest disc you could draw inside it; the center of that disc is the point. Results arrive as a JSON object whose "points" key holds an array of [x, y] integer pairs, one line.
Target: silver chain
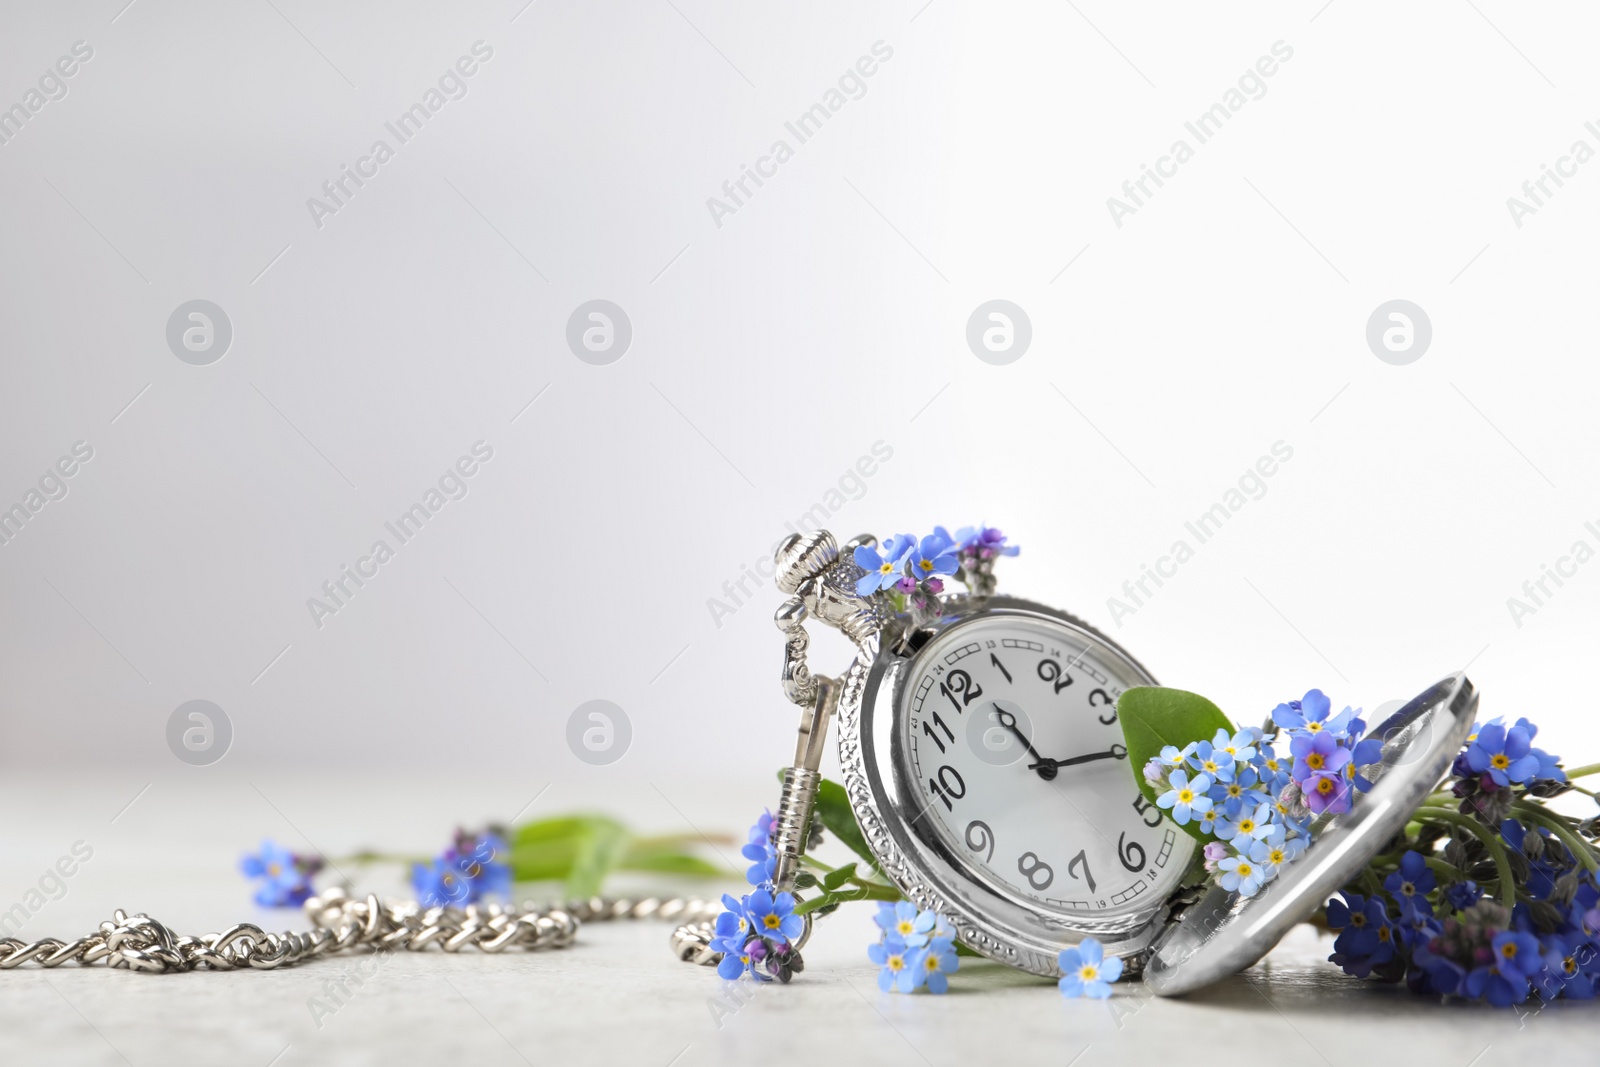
{"points": [[342, 923]]}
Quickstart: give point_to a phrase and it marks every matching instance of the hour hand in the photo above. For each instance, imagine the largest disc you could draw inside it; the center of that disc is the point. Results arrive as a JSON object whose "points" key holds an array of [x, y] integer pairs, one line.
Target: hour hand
{"points": [[1046, 767]]}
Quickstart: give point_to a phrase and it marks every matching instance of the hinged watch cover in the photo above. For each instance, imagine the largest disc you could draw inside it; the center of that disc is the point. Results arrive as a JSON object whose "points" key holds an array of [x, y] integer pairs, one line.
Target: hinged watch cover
{"points": [[1224, 933]]}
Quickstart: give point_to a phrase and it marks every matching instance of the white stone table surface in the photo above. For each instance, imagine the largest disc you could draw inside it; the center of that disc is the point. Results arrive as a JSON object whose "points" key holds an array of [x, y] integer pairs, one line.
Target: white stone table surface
{"points": [[617, 996]]}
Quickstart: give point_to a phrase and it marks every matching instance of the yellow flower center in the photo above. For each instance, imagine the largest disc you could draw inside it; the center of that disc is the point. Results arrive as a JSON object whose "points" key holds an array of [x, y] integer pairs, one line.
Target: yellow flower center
{"points": [[887, 568], [771, 922], [1314, 761], [1247, 826], [273, 870], [1185, 796], [1210, 766], [1235, 789], [897, 963], [903, 927], [926, 564], [1277, 856], [1509, 950], [1313, 727], [1272, 765], [1325, 786], [1500, 761], [1245, 869], [931, 963], [1383, 933], [1088, 972]]}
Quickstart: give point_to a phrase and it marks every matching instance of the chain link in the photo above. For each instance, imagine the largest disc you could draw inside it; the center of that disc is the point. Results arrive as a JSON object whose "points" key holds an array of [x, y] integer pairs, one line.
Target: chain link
{"points": [[345, 924]]}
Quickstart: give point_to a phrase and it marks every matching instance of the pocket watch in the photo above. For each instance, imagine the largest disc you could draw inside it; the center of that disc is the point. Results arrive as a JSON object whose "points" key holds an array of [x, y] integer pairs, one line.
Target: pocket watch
{"points": [[983, 760]]}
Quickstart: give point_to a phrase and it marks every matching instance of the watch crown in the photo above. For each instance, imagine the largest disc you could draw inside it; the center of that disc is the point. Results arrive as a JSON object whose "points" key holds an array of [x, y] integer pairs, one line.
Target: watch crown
{"points": [[802, 557]]}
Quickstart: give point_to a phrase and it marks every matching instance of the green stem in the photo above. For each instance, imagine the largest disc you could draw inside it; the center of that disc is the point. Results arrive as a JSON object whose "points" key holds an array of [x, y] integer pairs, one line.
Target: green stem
{"points": [[1582, 772], [1579, 847], [1502, 862]]}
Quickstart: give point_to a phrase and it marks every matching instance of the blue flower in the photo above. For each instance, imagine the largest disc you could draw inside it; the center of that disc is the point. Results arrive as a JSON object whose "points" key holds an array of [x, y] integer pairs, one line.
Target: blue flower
{"points": [[900, 973], [1366, 938], [1241, 873], [938, 960], [884, 570], [1215, 763], [472, 867], [1085, 972], [765, 866], [1504, 755], [1411, 884], [287, 876], [1462, 895], [1308, 713], [933, 558], [910, 925], [1186, 797], [1318, 753], [730, 937], [1241, 746], [1250, 824], [984, 542], [1238, 795], [773, 917], [1276, 849]]}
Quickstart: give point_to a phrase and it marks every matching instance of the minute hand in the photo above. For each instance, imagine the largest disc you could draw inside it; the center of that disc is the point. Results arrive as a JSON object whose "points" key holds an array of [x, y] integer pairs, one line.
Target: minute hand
{"points": [[1072, 761]]}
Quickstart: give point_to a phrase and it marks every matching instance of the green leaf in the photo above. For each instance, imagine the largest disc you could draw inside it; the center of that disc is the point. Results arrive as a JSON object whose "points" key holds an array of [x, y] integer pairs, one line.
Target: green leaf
{"points": [[600, 849], [833, 808], [671, 863], [1153, 717], [806, 880], [839, 876]]}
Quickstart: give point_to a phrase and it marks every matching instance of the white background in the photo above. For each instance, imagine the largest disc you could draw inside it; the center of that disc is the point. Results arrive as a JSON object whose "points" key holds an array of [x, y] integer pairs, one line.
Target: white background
{"points": [[768, 354]]}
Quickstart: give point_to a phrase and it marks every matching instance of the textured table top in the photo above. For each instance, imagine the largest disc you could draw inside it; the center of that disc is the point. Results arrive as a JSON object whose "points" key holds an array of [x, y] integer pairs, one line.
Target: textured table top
{"points": [[617, 996]]}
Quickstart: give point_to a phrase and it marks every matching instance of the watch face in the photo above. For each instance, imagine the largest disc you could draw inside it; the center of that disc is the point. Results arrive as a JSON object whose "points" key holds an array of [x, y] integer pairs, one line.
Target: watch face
{"points": [[1009, 728]]}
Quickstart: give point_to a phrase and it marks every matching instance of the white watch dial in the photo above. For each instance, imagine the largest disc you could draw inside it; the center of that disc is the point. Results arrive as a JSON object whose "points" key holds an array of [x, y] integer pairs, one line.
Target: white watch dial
{"points": [[1012, 739]]}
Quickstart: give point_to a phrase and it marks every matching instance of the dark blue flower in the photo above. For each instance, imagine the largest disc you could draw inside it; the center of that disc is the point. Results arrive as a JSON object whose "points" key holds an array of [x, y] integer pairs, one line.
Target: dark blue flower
{"points": [[1463, 895], [1366, 938], [286, 876], [1411, 884]]}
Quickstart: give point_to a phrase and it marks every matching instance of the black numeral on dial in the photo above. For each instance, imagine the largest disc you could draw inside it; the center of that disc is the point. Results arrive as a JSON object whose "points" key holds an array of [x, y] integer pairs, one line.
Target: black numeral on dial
{"points": [[1000, 666], [1104, 701], [980, 837], [1146, 810], [960, 684], [948, 786], [1081, 860], [1051, 672], [1131, 854], [943, 726], [1039, 873]]}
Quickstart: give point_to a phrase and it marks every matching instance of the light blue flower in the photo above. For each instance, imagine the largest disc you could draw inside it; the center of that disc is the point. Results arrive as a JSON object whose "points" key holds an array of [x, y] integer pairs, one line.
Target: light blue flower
{"points": [[935, 557], [910, 925], [938, 960], [1243, 792], [286, 877], [883, 570], [1276, 849], [773, 916], [1186, 797], [1250, 825], [1240, 873], [899, 974], [1085, 972], [1173, 756], [1241, 746], [1215, 763]]}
